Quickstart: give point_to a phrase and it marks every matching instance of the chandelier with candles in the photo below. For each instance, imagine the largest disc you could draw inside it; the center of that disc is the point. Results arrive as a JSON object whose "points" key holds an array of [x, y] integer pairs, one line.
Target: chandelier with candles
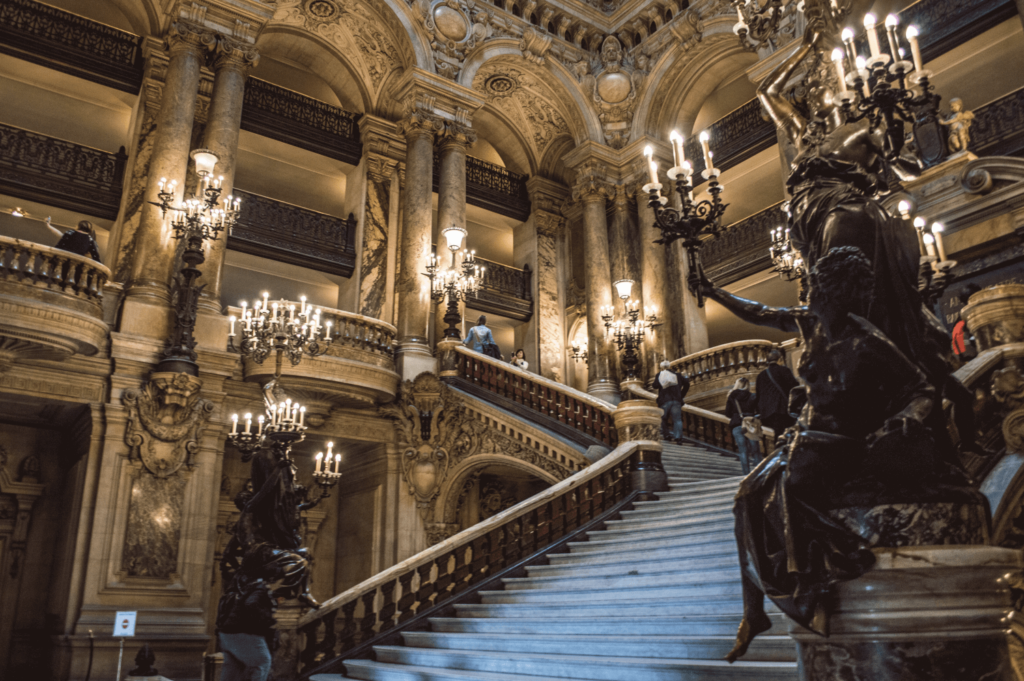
{"points": [[933, 277], [463, 278], [628, 332], [194, 220], [283, 328], [694, 220], [580, 352]]}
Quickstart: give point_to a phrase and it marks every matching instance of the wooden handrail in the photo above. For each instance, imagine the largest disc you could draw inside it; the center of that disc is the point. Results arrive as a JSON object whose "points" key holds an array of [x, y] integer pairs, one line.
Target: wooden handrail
{"points": [[577, 410], [444, 570]]}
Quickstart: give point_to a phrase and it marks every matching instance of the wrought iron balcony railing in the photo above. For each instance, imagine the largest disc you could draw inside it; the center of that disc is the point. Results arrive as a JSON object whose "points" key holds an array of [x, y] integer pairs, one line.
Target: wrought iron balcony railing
{"points": [[741, 249], [998, 128], [67, 42], [293, 118], [492, 187], [60, 173], [506, 291], [287, 233], [735, 137]]}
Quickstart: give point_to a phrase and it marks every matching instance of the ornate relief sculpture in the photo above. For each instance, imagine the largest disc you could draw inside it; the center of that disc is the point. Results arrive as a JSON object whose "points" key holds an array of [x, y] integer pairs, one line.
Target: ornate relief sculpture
{"points": [[164, 420], [612, 81], [455, 27]]}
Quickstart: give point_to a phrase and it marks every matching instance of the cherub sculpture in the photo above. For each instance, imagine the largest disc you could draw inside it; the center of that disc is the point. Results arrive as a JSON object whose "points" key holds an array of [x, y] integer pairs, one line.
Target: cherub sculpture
{"points": [[959, 122]]}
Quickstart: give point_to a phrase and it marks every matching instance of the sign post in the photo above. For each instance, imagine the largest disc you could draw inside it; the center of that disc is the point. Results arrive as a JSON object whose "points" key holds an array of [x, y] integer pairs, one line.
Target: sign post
{"points": [[124, 625]]}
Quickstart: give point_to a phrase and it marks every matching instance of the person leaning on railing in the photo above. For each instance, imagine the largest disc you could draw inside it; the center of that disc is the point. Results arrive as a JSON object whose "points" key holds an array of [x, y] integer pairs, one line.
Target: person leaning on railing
{"points": [[80, 241]]}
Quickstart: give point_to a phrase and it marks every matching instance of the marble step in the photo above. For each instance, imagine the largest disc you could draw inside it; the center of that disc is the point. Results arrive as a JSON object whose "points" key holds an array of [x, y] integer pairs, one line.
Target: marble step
{"points": [[369, 670], [649, 587], [775, 648], [636, 607], [652, 529], [722, 500], [590, 667], [697, 625], [725, 545], [703, 532], [628, 580], [633, 565]]}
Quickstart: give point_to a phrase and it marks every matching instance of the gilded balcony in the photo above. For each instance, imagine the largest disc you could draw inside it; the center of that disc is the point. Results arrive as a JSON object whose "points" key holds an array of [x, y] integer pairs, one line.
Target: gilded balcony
{"points": [[358, 369], [51, 303]]}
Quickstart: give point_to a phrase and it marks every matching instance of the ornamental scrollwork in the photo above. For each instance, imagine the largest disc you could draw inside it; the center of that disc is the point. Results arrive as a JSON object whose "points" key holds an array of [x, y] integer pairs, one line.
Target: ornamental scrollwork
{"points": [[164, 420]]}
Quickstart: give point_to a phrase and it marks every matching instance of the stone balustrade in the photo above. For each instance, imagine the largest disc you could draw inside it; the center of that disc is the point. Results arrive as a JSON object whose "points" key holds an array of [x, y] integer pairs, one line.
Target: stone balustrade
{"points": [[358, 368], [713, 372], [51, 302]]}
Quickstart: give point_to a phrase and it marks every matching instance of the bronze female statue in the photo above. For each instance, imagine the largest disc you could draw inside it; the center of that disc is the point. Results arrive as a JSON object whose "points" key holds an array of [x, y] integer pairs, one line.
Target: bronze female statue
{"points": [[869, 435]]}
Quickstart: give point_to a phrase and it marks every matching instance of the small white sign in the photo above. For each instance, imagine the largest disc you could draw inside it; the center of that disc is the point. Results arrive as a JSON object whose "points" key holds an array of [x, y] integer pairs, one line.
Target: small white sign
{"points": [[124, 623]]}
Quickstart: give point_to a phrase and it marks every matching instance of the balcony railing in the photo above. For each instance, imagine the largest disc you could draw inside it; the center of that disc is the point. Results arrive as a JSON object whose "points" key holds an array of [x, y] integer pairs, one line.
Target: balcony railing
{"points": [[570, 413], [741, 248], [491, 187], [735, 137], [54, 300], [60, 173], [67, 42], [506, 291], [286, 233], [293, 118], [998, 128]]}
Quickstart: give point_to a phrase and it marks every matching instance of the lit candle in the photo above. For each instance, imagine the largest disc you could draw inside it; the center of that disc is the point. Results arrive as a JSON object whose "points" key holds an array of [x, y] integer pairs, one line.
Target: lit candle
{"points": [[915, 48], [248, 424], [163, 181], [678, 151], [705, 139], [837, 61], [295, 413], [891, 22], [904, 208], [231, 333], [869, 26], [330, 453], [337, 464], [851, 51], [919, 224], [265, 296], [319, 461], [259, 425], [302, 416], [929, 243], [861, 65], [652, 167], [327, 331], [303, 301], [234, 424], [937, 229]]}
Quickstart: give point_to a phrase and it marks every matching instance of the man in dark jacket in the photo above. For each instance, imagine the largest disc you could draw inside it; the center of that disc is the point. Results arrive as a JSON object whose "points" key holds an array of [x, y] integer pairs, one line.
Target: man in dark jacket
{"points": [[741, 402], [672, 387], [773, 386], [245, 628], [81, 241]]}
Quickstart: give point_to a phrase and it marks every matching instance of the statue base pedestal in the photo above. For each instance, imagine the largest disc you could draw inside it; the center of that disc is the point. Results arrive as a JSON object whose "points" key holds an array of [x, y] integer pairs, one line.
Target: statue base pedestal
{"points": [[922, 613]]}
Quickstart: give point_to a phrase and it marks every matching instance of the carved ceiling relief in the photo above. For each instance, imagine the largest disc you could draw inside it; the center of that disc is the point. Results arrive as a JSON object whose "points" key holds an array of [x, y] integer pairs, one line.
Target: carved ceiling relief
{"points": [[612, 80], [438, 433], [454, 27], [520, 96], [351, 27]]}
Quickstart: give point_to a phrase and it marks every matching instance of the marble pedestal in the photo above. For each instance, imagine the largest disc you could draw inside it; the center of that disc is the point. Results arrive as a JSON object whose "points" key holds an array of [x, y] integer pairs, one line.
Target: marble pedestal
{"points": [[922, 613]]}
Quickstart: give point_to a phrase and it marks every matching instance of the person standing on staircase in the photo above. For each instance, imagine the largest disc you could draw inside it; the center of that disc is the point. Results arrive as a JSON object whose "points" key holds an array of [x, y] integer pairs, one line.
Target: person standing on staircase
{"points": [[740, 403], [773, 386], [672, 388]]}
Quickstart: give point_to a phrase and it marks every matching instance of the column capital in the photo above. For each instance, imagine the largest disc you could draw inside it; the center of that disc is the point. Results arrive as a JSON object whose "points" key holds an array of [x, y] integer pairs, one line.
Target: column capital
{"points": [[453, 135], [234, 54], [383, 147], [592, 183], [420, 119], [546, 194], [185, 36], [548, 224]]}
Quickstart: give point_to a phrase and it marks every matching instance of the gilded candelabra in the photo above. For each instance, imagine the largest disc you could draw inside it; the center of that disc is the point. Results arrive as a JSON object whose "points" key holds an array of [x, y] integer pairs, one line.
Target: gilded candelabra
{"points": [[628, 333], [694, 219], [934, 272], [278, 327], [194, 221], [457, 282]]}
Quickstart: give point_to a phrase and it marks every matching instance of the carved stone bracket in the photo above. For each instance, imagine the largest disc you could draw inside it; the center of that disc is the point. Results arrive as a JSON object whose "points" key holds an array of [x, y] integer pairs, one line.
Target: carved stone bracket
{"points": [[164, 420]]}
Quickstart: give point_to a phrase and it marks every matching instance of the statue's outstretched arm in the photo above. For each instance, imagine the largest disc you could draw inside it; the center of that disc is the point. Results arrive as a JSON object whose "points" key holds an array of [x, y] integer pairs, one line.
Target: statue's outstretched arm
{"points": [[781, 318], [770, 91]]}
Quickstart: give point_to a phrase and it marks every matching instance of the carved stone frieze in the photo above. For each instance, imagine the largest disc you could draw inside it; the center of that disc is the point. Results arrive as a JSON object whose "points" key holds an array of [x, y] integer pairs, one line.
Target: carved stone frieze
{"points": [[612, 80], [164, 421], [454, 27]]}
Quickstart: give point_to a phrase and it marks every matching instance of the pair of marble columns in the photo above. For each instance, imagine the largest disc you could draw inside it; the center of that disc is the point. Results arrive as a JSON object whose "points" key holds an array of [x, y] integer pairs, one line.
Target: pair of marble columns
{"points": [[412, 289], [153, 258]]}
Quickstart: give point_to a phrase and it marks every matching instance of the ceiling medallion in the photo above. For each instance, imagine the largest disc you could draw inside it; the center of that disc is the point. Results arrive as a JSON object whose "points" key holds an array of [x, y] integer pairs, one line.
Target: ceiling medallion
{"points": [[500, 85], [321, 10]]}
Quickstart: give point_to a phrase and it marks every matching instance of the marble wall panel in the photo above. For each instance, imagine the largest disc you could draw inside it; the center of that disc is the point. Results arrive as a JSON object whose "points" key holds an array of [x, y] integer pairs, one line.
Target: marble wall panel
{"points": [[551, 346], [374, 270], [154, 526]]}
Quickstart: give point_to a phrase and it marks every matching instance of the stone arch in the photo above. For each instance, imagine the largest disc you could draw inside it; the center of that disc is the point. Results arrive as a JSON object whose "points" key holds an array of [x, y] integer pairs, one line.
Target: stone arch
{"points": [[686, 79], [446, 506], [554, 83]]}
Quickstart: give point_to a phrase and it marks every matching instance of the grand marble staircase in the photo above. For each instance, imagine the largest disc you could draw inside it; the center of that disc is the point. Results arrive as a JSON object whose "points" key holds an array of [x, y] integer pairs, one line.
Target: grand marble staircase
{"points": [[655, 596]]}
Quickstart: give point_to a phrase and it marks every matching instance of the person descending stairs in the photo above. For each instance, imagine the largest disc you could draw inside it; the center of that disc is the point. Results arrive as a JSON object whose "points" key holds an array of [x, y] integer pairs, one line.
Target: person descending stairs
{"points": [[655, 596]]}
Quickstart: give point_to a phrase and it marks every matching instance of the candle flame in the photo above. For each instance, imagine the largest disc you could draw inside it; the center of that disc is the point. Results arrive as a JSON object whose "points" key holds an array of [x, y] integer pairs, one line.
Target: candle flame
{"points": [[869, 21], [891, 21], [838, 54], [912, 32]]}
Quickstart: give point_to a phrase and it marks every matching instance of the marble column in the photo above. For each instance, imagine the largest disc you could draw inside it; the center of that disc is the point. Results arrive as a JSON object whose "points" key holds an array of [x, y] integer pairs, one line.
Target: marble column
{"points": [[662, 343], [383, 149], [625, 263], [232, 64], [412, 289], [153, 257], [454, 139], [592, 191], [689, 323]]}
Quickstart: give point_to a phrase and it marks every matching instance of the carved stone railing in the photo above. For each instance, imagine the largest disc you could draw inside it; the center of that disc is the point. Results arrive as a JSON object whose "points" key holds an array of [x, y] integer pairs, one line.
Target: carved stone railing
{"points": [[286, 233], [67, 42], [998, 128], [741, 249], [293, 118], [59, 173], [713, 372], [735, 137], [570, 413], [358, 368], [506, 291], [50, 302], [492, 187], [405, 595]]}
